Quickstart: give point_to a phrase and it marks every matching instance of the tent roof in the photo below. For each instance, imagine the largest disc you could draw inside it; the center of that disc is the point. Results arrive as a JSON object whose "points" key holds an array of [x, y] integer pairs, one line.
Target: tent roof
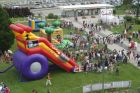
{"points": [[89, 6]]}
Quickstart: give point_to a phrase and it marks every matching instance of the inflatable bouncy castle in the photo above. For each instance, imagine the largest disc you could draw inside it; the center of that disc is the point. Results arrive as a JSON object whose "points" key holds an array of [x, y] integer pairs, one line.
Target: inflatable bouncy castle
{"points": [[31, 58], [54, 34], [33, 23]]}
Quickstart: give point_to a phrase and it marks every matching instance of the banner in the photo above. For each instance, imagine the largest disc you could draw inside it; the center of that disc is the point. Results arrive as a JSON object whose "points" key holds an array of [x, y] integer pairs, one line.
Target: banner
{"points": [[106, 12]]}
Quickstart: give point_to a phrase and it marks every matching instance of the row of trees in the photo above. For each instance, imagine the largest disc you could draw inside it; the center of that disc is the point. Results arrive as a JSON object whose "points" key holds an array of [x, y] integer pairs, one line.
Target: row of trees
{"points": [[18, 12]]}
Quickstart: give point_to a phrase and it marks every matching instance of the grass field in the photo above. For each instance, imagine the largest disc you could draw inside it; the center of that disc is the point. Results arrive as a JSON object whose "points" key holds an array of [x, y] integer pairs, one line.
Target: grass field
{"points": [[22, 20], [64, 82], [120, 29], [120, 10]]}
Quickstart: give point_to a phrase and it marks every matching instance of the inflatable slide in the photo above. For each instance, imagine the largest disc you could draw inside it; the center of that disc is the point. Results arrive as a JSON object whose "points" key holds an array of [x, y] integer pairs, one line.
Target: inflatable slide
{"points": [[31, 58]]}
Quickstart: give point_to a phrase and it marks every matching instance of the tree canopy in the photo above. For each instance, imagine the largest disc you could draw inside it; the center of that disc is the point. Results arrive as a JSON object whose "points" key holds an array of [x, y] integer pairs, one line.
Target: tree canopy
{"points": [[49, 30], [6, 35], [41, 25], [56, 23], [127, 2]]}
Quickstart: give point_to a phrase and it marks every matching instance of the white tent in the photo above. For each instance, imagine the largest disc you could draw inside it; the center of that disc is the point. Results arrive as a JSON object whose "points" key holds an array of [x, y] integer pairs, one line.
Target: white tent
{"points": [[88, 6], [110, 19]]}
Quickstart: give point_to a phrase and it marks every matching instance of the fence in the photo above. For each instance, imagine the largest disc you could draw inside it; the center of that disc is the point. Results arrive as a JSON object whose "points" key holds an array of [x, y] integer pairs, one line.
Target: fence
{"points": [[102, 86], [113, 87]]}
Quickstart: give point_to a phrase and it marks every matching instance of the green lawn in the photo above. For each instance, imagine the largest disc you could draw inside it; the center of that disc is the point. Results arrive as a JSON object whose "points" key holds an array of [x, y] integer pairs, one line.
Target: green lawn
{"points": [[120, 10], [68, 31], [64, 82], [22, 20], [50, 21], [19, 19], [120, 29]]}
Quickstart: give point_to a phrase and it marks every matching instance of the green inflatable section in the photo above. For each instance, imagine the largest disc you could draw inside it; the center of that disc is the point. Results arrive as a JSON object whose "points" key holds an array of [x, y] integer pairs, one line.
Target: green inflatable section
{"points": [[64, 43]]}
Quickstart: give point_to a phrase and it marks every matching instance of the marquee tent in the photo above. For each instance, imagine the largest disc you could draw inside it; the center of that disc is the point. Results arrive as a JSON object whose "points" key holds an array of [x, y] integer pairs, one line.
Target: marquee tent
{"points": [[88, 6]]}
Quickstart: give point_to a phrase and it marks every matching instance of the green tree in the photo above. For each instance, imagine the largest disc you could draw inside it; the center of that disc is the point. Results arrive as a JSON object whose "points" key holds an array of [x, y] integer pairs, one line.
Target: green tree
{"points": [[128, 18], [49, 31], [127, 2], [41, 25], [50, 16], [6, 35], [55, 16], [56, 23], [114, 12], [138, 10]]}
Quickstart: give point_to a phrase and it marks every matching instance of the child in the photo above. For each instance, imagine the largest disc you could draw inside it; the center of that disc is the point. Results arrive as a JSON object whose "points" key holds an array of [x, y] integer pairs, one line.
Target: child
{"points": [[48, 80]]}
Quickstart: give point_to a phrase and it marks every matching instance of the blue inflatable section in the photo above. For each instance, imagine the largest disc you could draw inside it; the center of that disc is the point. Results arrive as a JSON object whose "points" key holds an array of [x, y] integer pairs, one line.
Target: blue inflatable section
{"points": [[24, 64]]}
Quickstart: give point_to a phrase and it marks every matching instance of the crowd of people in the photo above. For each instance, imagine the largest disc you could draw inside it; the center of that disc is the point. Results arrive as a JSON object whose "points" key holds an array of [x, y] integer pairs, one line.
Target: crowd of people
{"points": [[66, 24], [92, 59], [96, 59], [92, 26], [6, 56]]}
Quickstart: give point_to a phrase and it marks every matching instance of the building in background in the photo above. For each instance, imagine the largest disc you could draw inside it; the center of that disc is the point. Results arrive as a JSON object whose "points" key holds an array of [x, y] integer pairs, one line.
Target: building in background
{"points": [[59, 2]]}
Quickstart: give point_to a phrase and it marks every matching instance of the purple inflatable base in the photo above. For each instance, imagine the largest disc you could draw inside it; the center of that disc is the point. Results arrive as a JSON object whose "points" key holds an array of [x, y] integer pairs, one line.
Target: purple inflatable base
{"points": [[22, 62]]}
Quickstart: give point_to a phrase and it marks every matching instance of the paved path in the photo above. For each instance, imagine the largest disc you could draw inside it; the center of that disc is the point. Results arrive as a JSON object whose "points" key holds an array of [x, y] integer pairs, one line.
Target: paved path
{"points": [[110, 46]]}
